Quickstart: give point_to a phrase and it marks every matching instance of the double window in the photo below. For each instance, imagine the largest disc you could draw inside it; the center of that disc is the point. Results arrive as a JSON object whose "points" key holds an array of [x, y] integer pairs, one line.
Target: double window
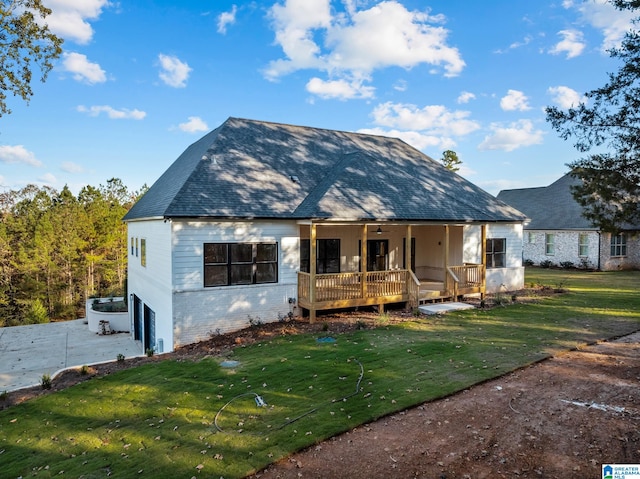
{"points": [[618, 245], [496, 252], [228, 264]]}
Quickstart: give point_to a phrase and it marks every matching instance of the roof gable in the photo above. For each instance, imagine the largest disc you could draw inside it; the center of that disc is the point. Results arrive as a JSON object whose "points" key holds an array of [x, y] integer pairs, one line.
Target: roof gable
{"points": [[253, 169], [549, 208]]}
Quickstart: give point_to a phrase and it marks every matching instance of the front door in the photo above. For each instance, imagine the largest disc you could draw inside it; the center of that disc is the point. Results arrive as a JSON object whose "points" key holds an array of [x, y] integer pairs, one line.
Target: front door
{"points": [[377, 255]]}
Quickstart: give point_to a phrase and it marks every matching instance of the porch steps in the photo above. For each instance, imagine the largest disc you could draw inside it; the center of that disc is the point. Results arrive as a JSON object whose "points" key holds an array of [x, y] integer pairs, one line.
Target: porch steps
{"points": [[440, 308]]}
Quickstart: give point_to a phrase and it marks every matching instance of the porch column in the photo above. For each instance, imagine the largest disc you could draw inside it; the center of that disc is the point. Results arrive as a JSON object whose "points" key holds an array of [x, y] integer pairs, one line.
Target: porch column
{"points": [[312, 271], [407, 248], [363, 261], [446, 248], [483, 248]]}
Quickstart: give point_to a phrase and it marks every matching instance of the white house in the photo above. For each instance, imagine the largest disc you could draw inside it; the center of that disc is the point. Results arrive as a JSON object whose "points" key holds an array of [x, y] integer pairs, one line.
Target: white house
{"points": [[558, 234], [256, 221]]}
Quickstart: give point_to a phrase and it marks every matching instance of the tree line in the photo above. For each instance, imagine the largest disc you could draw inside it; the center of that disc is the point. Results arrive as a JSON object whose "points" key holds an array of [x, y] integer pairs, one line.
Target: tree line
{"points": [[58, 249]]}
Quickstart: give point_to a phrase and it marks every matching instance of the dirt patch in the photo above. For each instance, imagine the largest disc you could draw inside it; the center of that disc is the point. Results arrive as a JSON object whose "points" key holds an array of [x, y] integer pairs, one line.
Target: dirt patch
{"points": [[561, 418]]}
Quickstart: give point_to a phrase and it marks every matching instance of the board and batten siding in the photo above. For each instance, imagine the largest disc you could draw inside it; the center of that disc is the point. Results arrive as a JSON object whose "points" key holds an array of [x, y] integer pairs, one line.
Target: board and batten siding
{"points": [[509, 278], [201, 312], [152, 282]]}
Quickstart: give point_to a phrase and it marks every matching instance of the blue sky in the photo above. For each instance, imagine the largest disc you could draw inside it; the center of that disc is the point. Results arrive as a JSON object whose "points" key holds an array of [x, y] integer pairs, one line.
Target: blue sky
{"points": [[140, 81]]}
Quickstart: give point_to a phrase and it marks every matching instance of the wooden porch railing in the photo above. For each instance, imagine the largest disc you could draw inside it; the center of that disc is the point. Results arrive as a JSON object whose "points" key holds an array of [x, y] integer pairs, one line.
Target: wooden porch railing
{"points": [[464, 279], [336, 287], [344, 290]]}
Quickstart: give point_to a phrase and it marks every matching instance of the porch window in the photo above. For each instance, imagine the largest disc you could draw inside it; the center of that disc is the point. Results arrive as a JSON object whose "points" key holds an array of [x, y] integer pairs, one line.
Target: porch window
{"points": [[583, 244], [496, 252], [549, 244], [619, 245], [240, 263], [327, 255]]}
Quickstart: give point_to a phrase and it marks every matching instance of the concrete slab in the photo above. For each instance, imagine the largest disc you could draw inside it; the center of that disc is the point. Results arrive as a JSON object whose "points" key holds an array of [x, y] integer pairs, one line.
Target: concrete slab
{"points": [[28, 352], [439, 308]]}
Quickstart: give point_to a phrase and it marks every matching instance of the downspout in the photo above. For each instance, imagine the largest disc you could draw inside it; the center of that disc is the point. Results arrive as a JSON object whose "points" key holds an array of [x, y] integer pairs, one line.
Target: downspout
{"points": [[599, 248]]}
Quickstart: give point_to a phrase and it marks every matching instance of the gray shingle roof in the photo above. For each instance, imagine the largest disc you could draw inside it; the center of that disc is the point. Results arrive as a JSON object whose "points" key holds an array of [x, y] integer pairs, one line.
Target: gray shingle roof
{"points": [[246, 169], [549, 208]]}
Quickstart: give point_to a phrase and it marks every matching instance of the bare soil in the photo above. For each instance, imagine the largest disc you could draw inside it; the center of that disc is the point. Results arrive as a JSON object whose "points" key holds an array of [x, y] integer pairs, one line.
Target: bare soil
{"points": [[560, 418]]}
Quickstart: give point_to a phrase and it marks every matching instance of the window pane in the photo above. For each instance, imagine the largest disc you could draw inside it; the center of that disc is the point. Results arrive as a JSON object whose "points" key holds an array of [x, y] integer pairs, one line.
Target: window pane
{"points": [[266, 252], [241, 273], [215, 253], [499, 245], [499, 260], [305, 254], [241, 253], [266, 273], [215, 275]]}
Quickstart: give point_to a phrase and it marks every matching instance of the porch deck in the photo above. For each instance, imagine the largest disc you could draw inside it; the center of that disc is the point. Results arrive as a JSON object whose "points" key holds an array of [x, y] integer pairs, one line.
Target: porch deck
{"points": [[347, 290]]}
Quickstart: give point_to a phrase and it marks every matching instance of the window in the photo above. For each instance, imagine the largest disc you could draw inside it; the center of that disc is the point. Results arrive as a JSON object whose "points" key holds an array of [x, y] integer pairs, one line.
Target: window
{"points": [[549, 244], [583, 244], [132, 250], [531, 237], [496, 252], [136, 247], [240, 263], [143, 252], [618, 245], [327, 255]]}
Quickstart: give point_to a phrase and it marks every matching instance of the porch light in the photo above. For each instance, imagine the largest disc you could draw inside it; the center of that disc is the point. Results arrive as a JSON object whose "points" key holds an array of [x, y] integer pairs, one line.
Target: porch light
{"points": [[379, 231]]}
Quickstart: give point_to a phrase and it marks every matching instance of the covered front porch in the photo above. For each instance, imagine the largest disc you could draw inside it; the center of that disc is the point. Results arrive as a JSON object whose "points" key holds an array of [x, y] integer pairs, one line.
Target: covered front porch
{"points": [[361, 264]]}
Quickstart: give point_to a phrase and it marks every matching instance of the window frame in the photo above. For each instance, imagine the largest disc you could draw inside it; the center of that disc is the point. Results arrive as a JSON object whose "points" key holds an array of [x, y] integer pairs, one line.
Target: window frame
{"points": [[324, 259], [492, 254], [550, 244], [143, 252], [583, 245], [233, 263], [618, 245]]}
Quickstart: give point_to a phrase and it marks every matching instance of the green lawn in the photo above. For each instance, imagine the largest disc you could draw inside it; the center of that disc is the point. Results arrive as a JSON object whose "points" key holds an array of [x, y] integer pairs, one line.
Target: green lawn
{"points": [[184, 419]]}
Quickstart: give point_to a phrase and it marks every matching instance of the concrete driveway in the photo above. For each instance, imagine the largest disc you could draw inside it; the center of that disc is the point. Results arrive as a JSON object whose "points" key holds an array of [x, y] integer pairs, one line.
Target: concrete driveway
{"points": [[28, 352]]}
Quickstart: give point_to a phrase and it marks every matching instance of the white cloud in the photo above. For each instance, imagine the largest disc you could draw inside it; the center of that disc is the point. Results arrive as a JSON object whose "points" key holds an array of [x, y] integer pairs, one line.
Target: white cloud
{"points": [[421, 141], [71, 167], [18, 154], [466, 97], [514, 100], [572, 43], [352, 44], [565, 97], [69, 18], [340, 89], [435, 119], [83, 69], [48, 179], [112, 113], [194, 124], [602, 15], [174, 72], [512, 137], [225, 19]]}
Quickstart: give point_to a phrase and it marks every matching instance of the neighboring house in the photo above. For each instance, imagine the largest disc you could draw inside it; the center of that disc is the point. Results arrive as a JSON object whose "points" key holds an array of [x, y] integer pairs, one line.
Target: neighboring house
{"points": [[256, 221], [558, 233]]}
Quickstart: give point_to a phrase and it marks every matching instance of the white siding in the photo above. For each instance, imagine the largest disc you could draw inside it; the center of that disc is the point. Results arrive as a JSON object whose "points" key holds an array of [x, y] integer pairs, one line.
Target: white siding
{"points": [[200, 312], [509, 278], [152, 283]]}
